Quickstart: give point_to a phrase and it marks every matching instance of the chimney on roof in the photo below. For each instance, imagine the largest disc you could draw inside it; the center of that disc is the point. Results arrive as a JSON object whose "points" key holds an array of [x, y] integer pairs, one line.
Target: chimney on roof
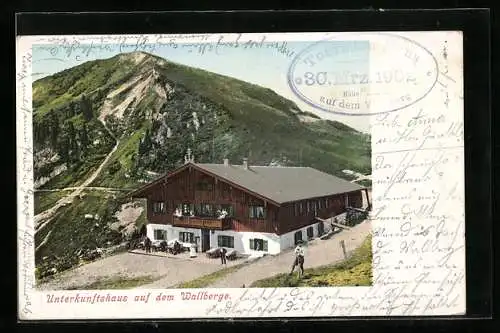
{"points": [[226, 162], [245, 163], [189, 157]]}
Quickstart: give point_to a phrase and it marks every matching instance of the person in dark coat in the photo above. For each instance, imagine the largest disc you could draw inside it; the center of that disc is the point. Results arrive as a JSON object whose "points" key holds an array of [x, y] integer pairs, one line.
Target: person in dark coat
{"points": [[223, 252], [147, 245], [177, 248], [163, 246]]}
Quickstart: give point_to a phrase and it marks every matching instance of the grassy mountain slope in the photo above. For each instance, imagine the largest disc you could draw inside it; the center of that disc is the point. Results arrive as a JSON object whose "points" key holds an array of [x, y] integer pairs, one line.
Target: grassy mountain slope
{"points": [[178, 107]]}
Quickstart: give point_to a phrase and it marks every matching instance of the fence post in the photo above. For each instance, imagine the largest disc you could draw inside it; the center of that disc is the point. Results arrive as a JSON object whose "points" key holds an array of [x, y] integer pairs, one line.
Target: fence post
{"points": [[342, 245]]}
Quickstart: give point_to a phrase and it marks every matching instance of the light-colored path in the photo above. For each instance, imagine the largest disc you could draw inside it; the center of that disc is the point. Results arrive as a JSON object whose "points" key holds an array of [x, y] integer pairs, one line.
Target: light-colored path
{"points": [[170, 270], [184, 270], [96, 188], [318, 253], [43, 218]]}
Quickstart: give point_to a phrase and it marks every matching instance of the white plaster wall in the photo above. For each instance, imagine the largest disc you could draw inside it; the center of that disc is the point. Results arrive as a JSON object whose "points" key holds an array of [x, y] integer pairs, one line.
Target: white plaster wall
{"points": [[275, 243], [172, 232], [288, 240], [150, 230], [242, 241]]}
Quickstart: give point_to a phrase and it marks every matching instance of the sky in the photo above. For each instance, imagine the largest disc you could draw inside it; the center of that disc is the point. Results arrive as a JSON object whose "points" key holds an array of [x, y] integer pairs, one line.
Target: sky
{"points": [[262, 62]]}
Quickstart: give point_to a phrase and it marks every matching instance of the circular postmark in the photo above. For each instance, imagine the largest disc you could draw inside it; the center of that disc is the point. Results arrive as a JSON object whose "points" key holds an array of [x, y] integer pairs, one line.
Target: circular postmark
{"points": [[363, 73]]}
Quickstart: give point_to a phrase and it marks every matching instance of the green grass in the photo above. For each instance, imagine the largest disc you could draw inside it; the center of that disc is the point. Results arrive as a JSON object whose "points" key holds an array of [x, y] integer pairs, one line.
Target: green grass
{"points": [[71, 231], [122, 161], [354, 271], [77, 174], [53, 104], [116, 283], [45, 200], [67, 85], [265, 125], [365, 183], [207, 280]]}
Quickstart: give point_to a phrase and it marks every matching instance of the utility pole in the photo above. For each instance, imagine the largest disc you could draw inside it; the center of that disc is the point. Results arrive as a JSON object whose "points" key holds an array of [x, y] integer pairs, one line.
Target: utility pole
{"points": [[342, 245]]}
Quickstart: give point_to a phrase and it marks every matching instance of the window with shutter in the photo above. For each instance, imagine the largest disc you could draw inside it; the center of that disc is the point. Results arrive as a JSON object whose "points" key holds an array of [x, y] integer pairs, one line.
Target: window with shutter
{"points": [[258, 244], [186, 237], [310, 232], [159, 207], [160, 234], [225, 241], [257, 212], [298, 236]]}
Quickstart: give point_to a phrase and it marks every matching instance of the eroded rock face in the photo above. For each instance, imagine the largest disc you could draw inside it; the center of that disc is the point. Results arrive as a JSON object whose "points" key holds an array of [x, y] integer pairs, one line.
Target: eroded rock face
{"points": [[127, 216], [55, 172]]}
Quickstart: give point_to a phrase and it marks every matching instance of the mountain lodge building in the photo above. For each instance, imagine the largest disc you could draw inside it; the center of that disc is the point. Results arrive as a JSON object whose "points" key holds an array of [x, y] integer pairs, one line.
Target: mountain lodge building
{"points": [[246, 208]]}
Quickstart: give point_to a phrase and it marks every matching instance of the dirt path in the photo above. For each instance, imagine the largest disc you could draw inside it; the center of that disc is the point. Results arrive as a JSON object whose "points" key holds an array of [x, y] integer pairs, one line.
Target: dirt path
{"points": [[169, 271], [43, 218], [318, 253], [96, 188]]}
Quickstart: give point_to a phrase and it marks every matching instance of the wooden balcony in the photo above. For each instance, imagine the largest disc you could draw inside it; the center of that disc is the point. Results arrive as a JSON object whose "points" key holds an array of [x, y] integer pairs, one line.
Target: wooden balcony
{"points": [[202, 222]]}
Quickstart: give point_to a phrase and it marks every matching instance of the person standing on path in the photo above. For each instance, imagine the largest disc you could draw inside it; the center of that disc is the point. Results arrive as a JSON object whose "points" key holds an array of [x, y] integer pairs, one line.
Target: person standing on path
{"points": [[299, 259], [147, 244], [223, 252]]}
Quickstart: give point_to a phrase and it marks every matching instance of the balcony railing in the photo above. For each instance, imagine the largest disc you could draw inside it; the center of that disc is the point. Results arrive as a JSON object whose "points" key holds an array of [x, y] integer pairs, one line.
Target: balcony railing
{"points": [[202, 222]]}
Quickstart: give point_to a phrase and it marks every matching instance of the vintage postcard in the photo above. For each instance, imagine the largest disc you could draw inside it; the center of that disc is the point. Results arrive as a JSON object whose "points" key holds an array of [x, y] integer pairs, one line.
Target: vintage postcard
{"points": [[240, 175]]}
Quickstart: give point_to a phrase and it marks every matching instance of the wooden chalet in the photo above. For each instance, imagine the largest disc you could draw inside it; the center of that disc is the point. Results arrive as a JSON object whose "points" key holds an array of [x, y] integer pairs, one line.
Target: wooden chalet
{"points": [[266, 208]]}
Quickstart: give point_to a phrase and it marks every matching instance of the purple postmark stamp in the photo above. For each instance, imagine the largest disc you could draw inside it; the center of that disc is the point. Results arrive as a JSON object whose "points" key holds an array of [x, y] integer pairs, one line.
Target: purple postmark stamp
{"points": [[363, 73]]}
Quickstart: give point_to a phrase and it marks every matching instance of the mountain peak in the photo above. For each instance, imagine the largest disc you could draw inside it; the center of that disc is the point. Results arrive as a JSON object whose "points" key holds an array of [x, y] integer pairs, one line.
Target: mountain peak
{"points": [[136, 56], [141, 57]]}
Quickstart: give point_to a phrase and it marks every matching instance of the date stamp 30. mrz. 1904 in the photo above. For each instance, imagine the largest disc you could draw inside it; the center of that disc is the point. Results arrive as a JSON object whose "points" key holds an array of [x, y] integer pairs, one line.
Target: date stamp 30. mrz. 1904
{"points": [[363, 73]]}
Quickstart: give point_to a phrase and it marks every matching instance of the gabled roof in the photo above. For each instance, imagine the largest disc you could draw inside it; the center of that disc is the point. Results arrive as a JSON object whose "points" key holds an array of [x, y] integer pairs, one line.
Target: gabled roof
{"points": [[277, 184]]}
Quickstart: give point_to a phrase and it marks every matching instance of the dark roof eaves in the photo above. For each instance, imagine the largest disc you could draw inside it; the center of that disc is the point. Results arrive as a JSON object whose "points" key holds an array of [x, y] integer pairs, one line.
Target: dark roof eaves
{"points": [[321, 196]]}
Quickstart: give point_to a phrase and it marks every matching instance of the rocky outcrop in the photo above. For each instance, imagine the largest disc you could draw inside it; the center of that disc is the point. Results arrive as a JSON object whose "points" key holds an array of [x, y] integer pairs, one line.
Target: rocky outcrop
{"points": [[127, 216]]}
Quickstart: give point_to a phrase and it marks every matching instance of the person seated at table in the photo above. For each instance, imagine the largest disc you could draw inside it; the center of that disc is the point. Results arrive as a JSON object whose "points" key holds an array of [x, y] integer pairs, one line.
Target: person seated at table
{"points": [[177, 248], [163, 246]]}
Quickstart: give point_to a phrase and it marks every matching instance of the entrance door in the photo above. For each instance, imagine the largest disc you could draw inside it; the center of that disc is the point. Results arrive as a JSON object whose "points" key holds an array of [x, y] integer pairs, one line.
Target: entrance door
{"points": [[205, 240], [321, 228], [298, 237]]}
